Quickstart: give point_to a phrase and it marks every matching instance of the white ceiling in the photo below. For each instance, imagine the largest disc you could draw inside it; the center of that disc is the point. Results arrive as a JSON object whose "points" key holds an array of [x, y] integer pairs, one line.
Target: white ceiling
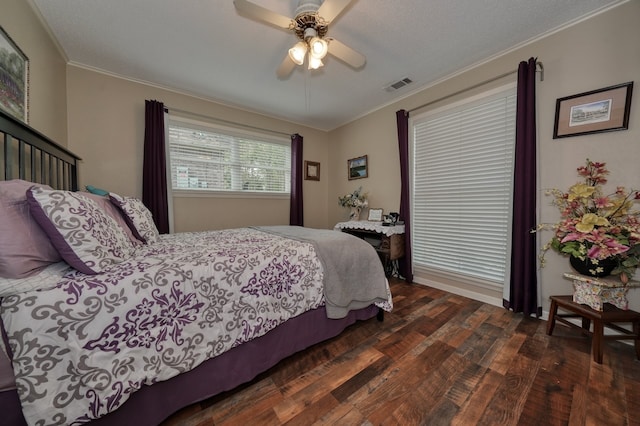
{"points": [[204, 48]]}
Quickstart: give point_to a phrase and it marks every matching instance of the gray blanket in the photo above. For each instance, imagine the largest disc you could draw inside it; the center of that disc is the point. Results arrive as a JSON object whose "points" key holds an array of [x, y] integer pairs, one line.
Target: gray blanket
{"points": [[353, 274]]}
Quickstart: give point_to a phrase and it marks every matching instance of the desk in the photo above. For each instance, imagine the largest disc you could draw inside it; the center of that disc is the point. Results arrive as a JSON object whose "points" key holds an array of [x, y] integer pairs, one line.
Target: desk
{"points": [[387, 240], [608, 317]]}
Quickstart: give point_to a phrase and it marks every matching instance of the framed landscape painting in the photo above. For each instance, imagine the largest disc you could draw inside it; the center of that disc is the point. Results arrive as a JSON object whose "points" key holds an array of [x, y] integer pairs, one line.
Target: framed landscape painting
{"points": [[357, 168], [602, 110], [14, 78]]}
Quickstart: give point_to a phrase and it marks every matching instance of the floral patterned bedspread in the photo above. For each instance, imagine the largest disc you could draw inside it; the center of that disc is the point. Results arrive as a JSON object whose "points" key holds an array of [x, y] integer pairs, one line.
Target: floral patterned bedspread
{"points": [[81, 348]]}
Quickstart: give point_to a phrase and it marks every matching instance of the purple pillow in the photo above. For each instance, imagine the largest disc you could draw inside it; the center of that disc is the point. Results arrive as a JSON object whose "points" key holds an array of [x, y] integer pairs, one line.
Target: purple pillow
{"points": [[86, 237], [138, 217], [25, 249]]}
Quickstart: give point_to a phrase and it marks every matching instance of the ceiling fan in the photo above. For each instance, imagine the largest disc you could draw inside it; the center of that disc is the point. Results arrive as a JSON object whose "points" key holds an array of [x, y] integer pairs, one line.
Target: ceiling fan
{"points": [[310, 26]]}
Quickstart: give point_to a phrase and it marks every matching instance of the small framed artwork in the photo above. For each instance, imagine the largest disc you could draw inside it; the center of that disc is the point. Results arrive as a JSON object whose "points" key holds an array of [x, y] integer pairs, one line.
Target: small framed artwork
{"points": [[311, 170], [375, 215], [602, 110], [14, 79], [357, 168]]}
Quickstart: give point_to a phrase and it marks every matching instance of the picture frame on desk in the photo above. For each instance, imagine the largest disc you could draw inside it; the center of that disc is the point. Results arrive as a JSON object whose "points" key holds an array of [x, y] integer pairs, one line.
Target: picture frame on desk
{"points": [[375, 215]]}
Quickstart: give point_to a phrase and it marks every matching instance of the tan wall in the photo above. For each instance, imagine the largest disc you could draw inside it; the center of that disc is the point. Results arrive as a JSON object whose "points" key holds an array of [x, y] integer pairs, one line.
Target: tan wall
{"points": [[600, 52], [106, 116], [47, 80], [376, 137]]}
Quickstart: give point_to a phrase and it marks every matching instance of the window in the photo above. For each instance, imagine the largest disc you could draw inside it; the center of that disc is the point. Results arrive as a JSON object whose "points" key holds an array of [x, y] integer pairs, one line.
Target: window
{"points": [[462, 188], [211, 158]]}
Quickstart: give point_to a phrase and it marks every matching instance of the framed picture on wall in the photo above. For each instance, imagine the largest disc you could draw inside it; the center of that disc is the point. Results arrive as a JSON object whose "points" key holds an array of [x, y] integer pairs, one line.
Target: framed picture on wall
{"points": [[602, 110], [311, 170], [357, 168], [14, 79]]}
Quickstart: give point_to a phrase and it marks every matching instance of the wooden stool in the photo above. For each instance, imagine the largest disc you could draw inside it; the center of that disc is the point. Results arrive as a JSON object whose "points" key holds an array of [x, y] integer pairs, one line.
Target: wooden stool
{"points": [[608, 317]]}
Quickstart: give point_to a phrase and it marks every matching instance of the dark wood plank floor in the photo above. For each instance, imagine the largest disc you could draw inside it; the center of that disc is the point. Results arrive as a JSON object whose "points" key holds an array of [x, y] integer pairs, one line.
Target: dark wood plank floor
{"points": [[438, 359]]}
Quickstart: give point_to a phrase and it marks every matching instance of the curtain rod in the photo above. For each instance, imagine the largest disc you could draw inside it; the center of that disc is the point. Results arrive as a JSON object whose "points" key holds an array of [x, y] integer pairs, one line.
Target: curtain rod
{"points": [[221, 121], [482, 83]]}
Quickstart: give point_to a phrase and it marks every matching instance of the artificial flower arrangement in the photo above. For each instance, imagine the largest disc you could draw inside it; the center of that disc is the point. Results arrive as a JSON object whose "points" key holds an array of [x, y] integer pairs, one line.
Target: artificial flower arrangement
{"points": [[355, 199], [596, 227]]}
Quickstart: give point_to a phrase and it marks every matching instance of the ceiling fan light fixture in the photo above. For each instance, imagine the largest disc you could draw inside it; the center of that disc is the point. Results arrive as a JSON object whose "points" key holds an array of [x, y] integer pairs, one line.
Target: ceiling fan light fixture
{"points": [[318, 47], [314, 63], [297, 52], [310, 26]]}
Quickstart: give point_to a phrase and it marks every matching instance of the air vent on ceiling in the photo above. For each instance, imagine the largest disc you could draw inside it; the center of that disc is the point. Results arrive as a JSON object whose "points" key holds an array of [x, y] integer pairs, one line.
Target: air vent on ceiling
{"points": [[398, 84]]}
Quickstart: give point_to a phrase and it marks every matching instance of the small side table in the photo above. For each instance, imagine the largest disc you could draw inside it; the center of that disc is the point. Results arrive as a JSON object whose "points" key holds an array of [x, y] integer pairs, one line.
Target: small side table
{"points": [[609, 317]]}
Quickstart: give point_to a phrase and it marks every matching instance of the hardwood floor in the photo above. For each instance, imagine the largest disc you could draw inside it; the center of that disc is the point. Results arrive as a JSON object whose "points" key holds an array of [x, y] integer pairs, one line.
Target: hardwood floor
{"points": [[438, 359]]}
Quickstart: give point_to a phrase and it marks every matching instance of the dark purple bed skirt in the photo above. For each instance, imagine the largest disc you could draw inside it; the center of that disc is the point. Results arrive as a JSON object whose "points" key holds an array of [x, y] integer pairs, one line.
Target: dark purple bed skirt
{"points": [[152, 404]]}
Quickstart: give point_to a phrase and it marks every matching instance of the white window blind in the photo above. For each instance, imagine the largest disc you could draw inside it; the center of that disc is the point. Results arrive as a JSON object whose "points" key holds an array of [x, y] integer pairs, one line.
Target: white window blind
{"points": [[206, 157], [462, 187]]}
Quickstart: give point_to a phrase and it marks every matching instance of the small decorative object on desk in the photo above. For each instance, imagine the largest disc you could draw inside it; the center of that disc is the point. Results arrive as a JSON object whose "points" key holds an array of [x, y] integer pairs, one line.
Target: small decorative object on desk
{"points": [[375, 215], [391, 219], [356, 201], [601, 232], [595, 292]]}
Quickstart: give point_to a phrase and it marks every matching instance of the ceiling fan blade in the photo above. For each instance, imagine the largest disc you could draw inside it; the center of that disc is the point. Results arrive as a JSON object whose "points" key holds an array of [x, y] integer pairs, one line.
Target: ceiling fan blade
{"points": [[285, 68], [346, 54], [252, 10], [332, 8]]}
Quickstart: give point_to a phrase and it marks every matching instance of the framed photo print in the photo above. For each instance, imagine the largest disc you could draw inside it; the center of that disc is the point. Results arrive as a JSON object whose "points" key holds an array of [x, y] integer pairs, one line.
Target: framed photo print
{"points": [[14, 79], [375, 215], [602, 110], [311, 170], [357, 168]]}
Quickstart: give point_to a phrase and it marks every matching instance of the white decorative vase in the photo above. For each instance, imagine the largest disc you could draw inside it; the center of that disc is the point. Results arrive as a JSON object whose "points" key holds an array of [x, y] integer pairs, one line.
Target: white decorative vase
{"points": [[355, 213]]}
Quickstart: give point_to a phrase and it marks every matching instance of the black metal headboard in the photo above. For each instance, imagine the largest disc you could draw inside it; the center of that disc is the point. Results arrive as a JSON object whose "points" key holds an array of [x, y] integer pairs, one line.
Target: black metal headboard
{"points": [[27, 154]]}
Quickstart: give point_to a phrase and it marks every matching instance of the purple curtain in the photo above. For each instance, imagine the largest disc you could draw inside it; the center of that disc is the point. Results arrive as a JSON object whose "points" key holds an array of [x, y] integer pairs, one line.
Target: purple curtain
{"points": [[296, 217], [523, 289], [402, 118], [154, 167]]}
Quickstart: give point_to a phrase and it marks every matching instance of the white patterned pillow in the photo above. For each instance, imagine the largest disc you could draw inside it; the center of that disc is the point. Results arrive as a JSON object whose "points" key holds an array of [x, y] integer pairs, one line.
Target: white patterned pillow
{"points": [[86, 237], [138, 217], [111, 210]]}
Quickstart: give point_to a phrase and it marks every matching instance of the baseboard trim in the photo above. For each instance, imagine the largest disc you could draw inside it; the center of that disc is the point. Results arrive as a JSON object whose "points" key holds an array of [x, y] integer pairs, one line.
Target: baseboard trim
{"points": [[459, 291]]}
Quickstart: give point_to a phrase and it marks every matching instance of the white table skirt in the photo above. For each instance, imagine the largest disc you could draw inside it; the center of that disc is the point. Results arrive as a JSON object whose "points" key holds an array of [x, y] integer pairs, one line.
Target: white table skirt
{"points": [[370, 226]]}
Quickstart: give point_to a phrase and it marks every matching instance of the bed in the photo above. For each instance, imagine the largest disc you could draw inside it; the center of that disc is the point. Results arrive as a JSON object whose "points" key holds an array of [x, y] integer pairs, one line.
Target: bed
{"points": [[106, 321]]}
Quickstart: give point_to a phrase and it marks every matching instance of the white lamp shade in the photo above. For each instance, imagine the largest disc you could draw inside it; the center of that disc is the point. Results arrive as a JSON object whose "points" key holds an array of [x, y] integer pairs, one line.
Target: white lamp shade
{"points": [[297, 52], [314, 63], [318, 47]]}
